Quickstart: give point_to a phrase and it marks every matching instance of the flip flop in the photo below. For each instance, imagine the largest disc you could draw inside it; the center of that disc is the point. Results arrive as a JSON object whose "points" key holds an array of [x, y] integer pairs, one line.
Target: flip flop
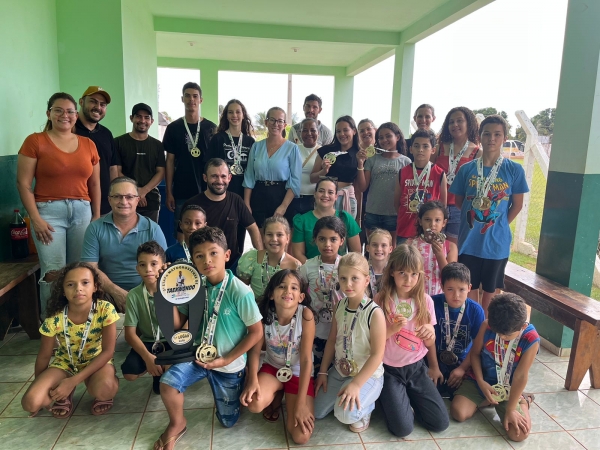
{"points": [[98, 403], [160, 445], [529, 398], [62, 405]]}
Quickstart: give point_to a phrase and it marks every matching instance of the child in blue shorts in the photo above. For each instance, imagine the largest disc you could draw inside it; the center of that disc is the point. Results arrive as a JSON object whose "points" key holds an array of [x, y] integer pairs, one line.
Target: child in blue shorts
{"points": [[501, 358], [458, 321], [237, 330]]}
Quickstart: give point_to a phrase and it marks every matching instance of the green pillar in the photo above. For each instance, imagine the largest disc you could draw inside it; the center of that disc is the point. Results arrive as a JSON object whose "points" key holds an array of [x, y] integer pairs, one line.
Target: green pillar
{"points": [[209, 82], [113, 45], [343, 96], [402, 90], [571, 220]]}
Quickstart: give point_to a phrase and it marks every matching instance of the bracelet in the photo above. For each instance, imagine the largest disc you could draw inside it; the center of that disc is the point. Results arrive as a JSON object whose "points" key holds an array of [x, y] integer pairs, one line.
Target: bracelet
{"points": [[360, 168], [322, 373]]}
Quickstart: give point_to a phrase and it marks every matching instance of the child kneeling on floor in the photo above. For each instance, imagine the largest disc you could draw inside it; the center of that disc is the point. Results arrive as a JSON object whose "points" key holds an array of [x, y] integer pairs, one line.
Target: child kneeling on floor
{"points": [[87, 333], [235, 331], [501, 357]]}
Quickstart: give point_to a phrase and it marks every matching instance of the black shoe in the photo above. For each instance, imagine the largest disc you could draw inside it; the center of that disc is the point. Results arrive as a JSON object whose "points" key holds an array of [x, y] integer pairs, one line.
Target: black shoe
{"points": [[156, 385]]}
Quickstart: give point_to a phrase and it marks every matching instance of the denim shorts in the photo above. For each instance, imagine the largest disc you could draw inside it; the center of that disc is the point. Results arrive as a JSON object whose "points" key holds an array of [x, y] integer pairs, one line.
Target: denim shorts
{"points": [[226, 387], [453, 225], [378, 221]]}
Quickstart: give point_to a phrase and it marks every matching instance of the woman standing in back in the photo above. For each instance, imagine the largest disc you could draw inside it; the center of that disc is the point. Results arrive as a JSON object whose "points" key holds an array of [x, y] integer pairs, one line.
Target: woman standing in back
{"points": [[66, 197]]}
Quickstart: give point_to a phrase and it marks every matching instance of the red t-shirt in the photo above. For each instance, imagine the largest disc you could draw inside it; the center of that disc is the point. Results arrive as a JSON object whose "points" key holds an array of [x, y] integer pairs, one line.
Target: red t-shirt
{"points": [[444, 162], [406, 224], [60, 175]]}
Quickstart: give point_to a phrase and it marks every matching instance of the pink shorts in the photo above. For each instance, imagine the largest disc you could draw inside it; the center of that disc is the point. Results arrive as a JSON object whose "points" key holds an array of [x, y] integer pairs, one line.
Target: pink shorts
{"points": [[289, 387]]}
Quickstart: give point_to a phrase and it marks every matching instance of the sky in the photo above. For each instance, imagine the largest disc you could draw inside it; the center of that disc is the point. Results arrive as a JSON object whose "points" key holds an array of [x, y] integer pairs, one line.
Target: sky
{"points": [[507, 55]]}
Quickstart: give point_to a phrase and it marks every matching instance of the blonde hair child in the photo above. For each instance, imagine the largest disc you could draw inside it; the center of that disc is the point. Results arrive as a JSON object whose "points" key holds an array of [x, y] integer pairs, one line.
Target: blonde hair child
{"points": [[379, 245]]}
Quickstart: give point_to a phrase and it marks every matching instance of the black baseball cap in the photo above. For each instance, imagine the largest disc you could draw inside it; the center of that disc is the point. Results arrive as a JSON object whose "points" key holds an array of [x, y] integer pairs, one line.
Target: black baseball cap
{"points": [[141, 107]]}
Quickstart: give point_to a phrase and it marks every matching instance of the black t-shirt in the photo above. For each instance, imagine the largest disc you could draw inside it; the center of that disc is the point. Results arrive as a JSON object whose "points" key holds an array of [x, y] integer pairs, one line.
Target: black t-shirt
{"points": [[345, 166], [228, 215], [139, 160], [187, 180], [220, 147], [105, 144]]}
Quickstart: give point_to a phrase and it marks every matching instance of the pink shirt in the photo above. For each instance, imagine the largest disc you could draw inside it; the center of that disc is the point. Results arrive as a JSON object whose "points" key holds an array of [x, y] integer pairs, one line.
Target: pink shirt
{"points": [[433, 274], [405, 348]]}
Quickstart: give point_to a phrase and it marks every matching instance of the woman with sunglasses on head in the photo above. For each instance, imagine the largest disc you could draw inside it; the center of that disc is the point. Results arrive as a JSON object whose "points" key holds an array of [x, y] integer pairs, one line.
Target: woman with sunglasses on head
{"points": [[338, 160], [66, 197], [272, 177]]}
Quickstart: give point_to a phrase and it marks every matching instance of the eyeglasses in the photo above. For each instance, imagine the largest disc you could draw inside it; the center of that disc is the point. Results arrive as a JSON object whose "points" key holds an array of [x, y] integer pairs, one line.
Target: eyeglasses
{"points": [[127, 197], [271, 120], [59, 111]]}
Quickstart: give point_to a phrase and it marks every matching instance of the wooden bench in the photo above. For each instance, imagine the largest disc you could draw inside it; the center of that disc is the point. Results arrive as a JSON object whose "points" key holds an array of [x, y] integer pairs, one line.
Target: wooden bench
{"points": [[19, 296], [571, 309]]}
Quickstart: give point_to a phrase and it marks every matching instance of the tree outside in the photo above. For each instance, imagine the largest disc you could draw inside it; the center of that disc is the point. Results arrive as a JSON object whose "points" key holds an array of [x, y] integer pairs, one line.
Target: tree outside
{"points": [[543, 123], [489, 111]]}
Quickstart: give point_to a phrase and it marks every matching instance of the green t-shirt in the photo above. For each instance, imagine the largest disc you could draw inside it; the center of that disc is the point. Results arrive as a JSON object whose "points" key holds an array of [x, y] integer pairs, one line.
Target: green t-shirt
{"points": [[238, 311], [304, 225], [136, 313]]}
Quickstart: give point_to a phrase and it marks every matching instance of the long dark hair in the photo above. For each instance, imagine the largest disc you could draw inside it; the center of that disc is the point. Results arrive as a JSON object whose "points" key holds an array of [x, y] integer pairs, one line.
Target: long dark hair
{"points": [[335, 144], [57, 300], [430, 206], [247, 127], [472, 125], [267, 305], [58, 96], [401, 143]]}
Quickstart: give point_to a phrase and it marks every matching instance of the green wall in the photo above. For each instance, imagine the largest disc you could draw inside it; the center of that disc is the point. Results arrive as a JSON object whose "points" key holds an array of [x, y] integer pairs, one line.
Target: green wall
{"points": [[30, 76]]}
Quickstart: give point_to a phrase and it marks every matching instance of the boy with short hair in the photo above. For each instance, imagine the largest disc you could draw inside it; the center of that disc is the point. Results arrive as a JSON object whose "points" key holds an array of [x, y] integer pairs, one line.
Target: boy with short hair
{"points": [[489, 192], [193, 217], [459, 319], [140, 315], [418, 183], [238, 328], [501, 357]]}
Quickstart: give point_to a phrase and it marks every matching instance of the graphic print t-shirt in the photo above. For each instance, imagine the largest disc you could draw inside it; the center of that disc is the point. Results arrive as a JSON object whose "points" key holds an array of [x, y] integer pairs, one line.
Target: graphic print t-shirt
{"points": [[486, 234]]}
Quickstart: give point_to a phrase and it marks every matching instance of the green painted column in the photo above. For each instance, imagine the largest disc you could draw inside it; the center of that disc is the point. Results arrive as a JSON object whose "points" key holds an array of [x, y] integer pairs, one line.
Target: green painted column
{"points": [[402, 89], [343, 96], [209, 82], [571, 220]]}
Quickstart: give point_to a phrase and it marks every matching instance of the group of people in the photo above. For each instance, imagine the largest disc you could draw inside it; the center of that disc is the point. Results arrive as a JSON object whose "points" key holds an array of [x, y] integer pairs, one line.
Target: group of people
{"points": [[305, 314]]}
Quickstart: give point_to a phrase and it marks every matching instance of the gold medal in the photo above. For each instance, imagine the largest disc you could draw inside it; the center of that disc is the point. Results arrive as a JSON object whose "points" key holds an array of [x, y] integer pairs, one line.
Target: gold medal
{"points": [[448, 358], [404, 309], [486, 203], [414, 205], [370, 151], [477, 203], [501, 393], [206, 353], [236, 169], [284, 374], [195, 152], [348, 367], [330, 157]]}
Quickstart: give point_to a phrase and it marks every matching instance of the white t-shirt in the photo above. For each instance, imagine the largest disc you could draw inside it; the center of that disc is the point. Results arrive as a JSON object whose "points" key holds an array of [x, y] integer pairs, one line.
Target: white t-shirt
{"points": [[306, 187], [325, 135]]}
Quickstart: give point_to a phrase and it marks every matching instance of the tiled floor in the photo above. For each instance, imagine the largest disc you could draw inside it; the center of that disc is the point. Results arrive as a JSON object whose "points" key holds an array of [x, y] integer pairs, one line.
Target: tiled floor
{"points": [[561, 420]]}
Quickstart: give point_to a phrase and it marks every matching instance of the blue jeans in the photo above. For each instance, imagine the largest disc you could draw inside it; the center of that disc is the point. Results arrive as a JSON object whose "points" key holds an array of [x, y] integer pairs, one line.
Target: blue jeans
{"points": [[378, 221], [453, 225], [226, 387], [325, 402], [70, 219]]}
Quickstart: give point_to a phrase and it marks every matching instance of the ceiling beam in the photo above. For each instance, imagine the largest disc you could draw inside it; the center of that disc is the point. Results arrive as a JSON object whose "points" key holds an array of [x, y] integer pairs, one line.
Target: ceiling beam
{"points": [[441, 17], [368, 60], [269, 31], [236, 66]]}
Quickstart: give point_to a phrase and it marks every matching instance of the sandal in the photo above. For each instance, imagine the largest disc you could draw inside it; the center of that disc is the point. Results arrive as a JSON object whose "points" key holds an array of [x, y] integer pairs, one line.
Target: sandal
{"points": [[65, 405], [160, 445], [271, 416], [97, 403], [529, 398]]}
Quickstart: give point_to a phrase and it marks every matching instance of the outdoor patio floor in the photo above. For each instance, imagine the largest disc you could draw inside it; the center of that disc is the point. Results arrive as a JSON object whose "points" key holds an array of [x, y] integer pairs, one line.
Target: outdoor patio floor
{"points": [[561, 419]]}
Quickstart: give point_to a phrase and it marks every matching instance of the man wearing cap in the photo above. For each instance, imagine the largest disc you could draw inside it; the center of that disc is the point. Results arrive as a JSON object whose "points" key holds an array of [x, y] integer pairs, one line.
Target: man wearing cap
{"points": [[142, 158], [92, 109]]}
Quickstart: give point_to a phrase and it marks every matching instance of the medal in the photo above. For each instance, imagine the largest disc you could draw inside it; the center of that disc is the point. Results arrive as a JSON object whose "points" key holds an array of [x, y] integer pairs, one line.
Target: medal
{"points": [[327, 288], [453, 162], [481, 201], [193, 140], [370, 150], [486, 203], [284, 374], [414, 205], [504, 364], [348, 367], [158, 347], [331, 157], [477, 203], [206, 353], [404, 309], [448, 357], [501, 393], [326, 315], [84, 335], [236, 169], [429, 236], [195, 152]]}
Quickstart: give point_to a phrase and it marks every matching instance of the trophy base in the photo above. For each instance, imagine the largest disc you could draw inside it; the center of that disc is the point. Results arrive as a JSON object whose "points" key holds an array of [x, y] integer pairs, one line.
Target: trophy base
{"points": [[176, 356]]}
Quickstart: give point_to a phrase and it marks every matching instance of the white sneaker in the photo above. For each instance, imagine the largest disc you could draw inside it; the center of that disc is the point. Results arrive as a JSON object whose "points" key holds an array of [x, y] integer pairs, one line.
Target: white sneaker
{"points": [[361, 425]]}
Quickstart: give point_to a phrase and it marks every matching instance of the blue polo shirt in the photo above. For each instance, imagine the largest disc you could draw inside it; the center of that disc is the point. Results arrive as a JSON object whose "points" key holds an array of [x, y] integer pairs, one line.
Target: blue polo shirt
{"points": [[115, 254]]}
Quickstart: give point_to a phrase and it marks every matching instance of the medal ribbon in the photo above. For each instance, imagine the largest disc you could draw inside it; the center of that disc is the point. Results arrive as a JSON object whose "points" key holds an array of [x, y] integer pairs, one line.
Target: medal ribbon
{"points": [[450, 342], [289, 346], [86, 331], [483, 186], [209, 333], [194, 140], [237, 150], [453, 162], [156, 333], [265, 267], [328, 287], [347, 344], [504, 367], [187, 251], [372, 279], [418, 178]]}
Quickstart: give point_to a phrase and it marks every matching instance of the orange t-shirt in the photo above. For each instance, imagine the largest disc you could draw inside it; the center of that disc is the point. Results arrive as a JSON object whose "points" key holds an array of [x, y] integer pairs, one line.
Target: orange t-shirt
{"points": [[60, 175]]}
